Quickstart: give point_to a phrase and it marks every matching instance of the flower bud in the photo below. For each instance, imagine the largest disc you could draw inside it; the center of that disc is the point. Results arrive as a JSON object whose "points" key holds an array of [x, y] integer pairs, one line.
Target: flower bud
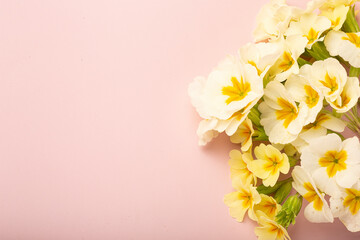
{"points": [[289, 211]]}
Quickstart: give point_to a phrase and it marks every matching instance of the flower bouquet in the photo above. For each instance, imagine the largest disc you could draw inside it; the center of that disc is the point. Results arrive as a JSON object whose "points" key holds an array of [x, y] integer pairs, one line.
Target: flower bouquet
{"points": [[286, 99]]}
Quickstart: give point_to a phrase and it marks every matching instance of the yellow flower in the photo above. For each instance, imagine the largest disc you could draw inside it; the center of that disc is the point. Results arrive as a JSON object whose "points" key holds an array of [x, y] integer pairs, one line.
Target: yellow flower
{"points": [[242, 201], [268, 205], [269, 229], [317, 210], [243, 135], [238, 168], [270, 162]]}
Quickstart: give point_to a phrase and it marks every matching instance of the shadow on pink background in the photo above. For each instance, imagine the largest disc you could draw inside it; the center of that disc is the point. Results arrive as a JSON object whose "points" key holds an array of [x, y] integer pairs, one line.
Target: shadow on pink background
{"points": [[97, 134]]}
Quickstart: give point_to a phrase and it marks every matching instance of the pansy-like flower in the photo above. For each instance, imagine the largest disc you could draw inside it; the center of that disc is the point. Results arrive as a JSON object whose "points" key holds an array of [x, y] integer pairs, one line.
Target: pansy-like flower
{"points": [[268, 164], [242, 201], [261, 55], [318, 128], [243, 135], [269, 229], [337, 16], [329, 76], [329, 5], [268, 205], [302, 90], [311, 26], [225, 98], [281, 117], [239, 168], [286, 64], [348, 97], [273, 20], [346, 206], [332, 162], [346, 45], [317, 210]]}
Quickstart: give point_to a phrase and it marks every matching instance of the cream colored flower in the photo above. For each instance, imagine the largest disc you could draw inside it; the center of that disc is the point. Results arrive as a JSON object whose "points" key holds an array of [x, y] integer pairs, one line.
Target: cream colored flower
{"points": [[273, 20], [329, 5], [268, 205], [268, 164], [206, 131], [331, 162], [281, 117], [346, 45], [317, 210], [230, 87], [346, 206], [225, 98], [238, 168], [329, 76], [310, 26], [243, 135], [261, 55], [337, 16], [318, 128], [302, 90], [242, 201], [286, 64], [348, 97], [270, 230]]}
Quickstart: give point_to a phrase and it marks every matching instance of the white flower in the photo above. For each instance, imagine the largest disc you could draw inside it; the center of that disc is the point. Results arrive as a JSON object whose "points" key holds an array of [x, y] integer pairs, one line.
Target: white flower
{"points": [[318, 128], [337, 16], [346, 45], [225, 98], [348, 97], [346, 205], [273, 20], [286, 64], [281, 117], [310, 26], [327, 5], [317, 210], [261, 55], [329, 76], [302, 90], [206, 131], [331, 162]]}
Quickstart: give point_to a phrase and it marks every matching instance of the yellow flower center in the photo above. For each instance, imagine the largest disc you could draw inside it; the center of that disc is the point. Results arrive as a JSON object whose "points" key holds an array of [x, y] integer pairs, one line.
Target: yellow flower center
{"points": [[286, 62], [312, 35], [334, 162], [246, 198], [253, 64], [288, 112], [330, 82], [275, 229], [353, 38], [345, 99], [335, 23], [312, 96], [237, 91], [273, 164], [312, 196], [321, 118], [352, 200]]}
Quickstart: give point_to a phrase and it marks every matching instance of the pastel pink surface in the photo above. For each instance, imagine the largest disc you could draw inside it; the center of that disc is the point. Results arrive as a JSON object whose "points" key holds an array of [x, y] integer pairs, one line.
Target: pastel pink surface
{"points": [[97, 134]]}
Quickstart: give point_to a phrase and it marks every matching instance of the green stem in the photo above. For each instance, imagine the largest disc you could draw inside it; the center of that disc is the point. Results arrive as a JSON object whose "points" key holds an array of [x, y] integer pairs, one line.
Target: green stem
{"points": [[354, 72], [350, 24]]}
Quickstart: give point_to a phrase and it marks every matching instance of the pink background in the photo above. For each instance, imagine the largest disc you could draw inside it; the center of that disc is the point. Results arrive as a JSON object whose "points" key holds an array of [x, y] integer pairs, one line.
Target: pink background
{"points": [[97, 134]]}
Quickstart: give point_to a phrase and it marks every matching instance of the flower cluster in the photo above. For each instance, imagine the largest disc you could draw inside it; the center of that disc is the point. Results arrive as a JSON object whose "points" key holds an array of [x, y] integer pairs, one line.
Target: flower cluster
{"points": [[286, 99]]}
